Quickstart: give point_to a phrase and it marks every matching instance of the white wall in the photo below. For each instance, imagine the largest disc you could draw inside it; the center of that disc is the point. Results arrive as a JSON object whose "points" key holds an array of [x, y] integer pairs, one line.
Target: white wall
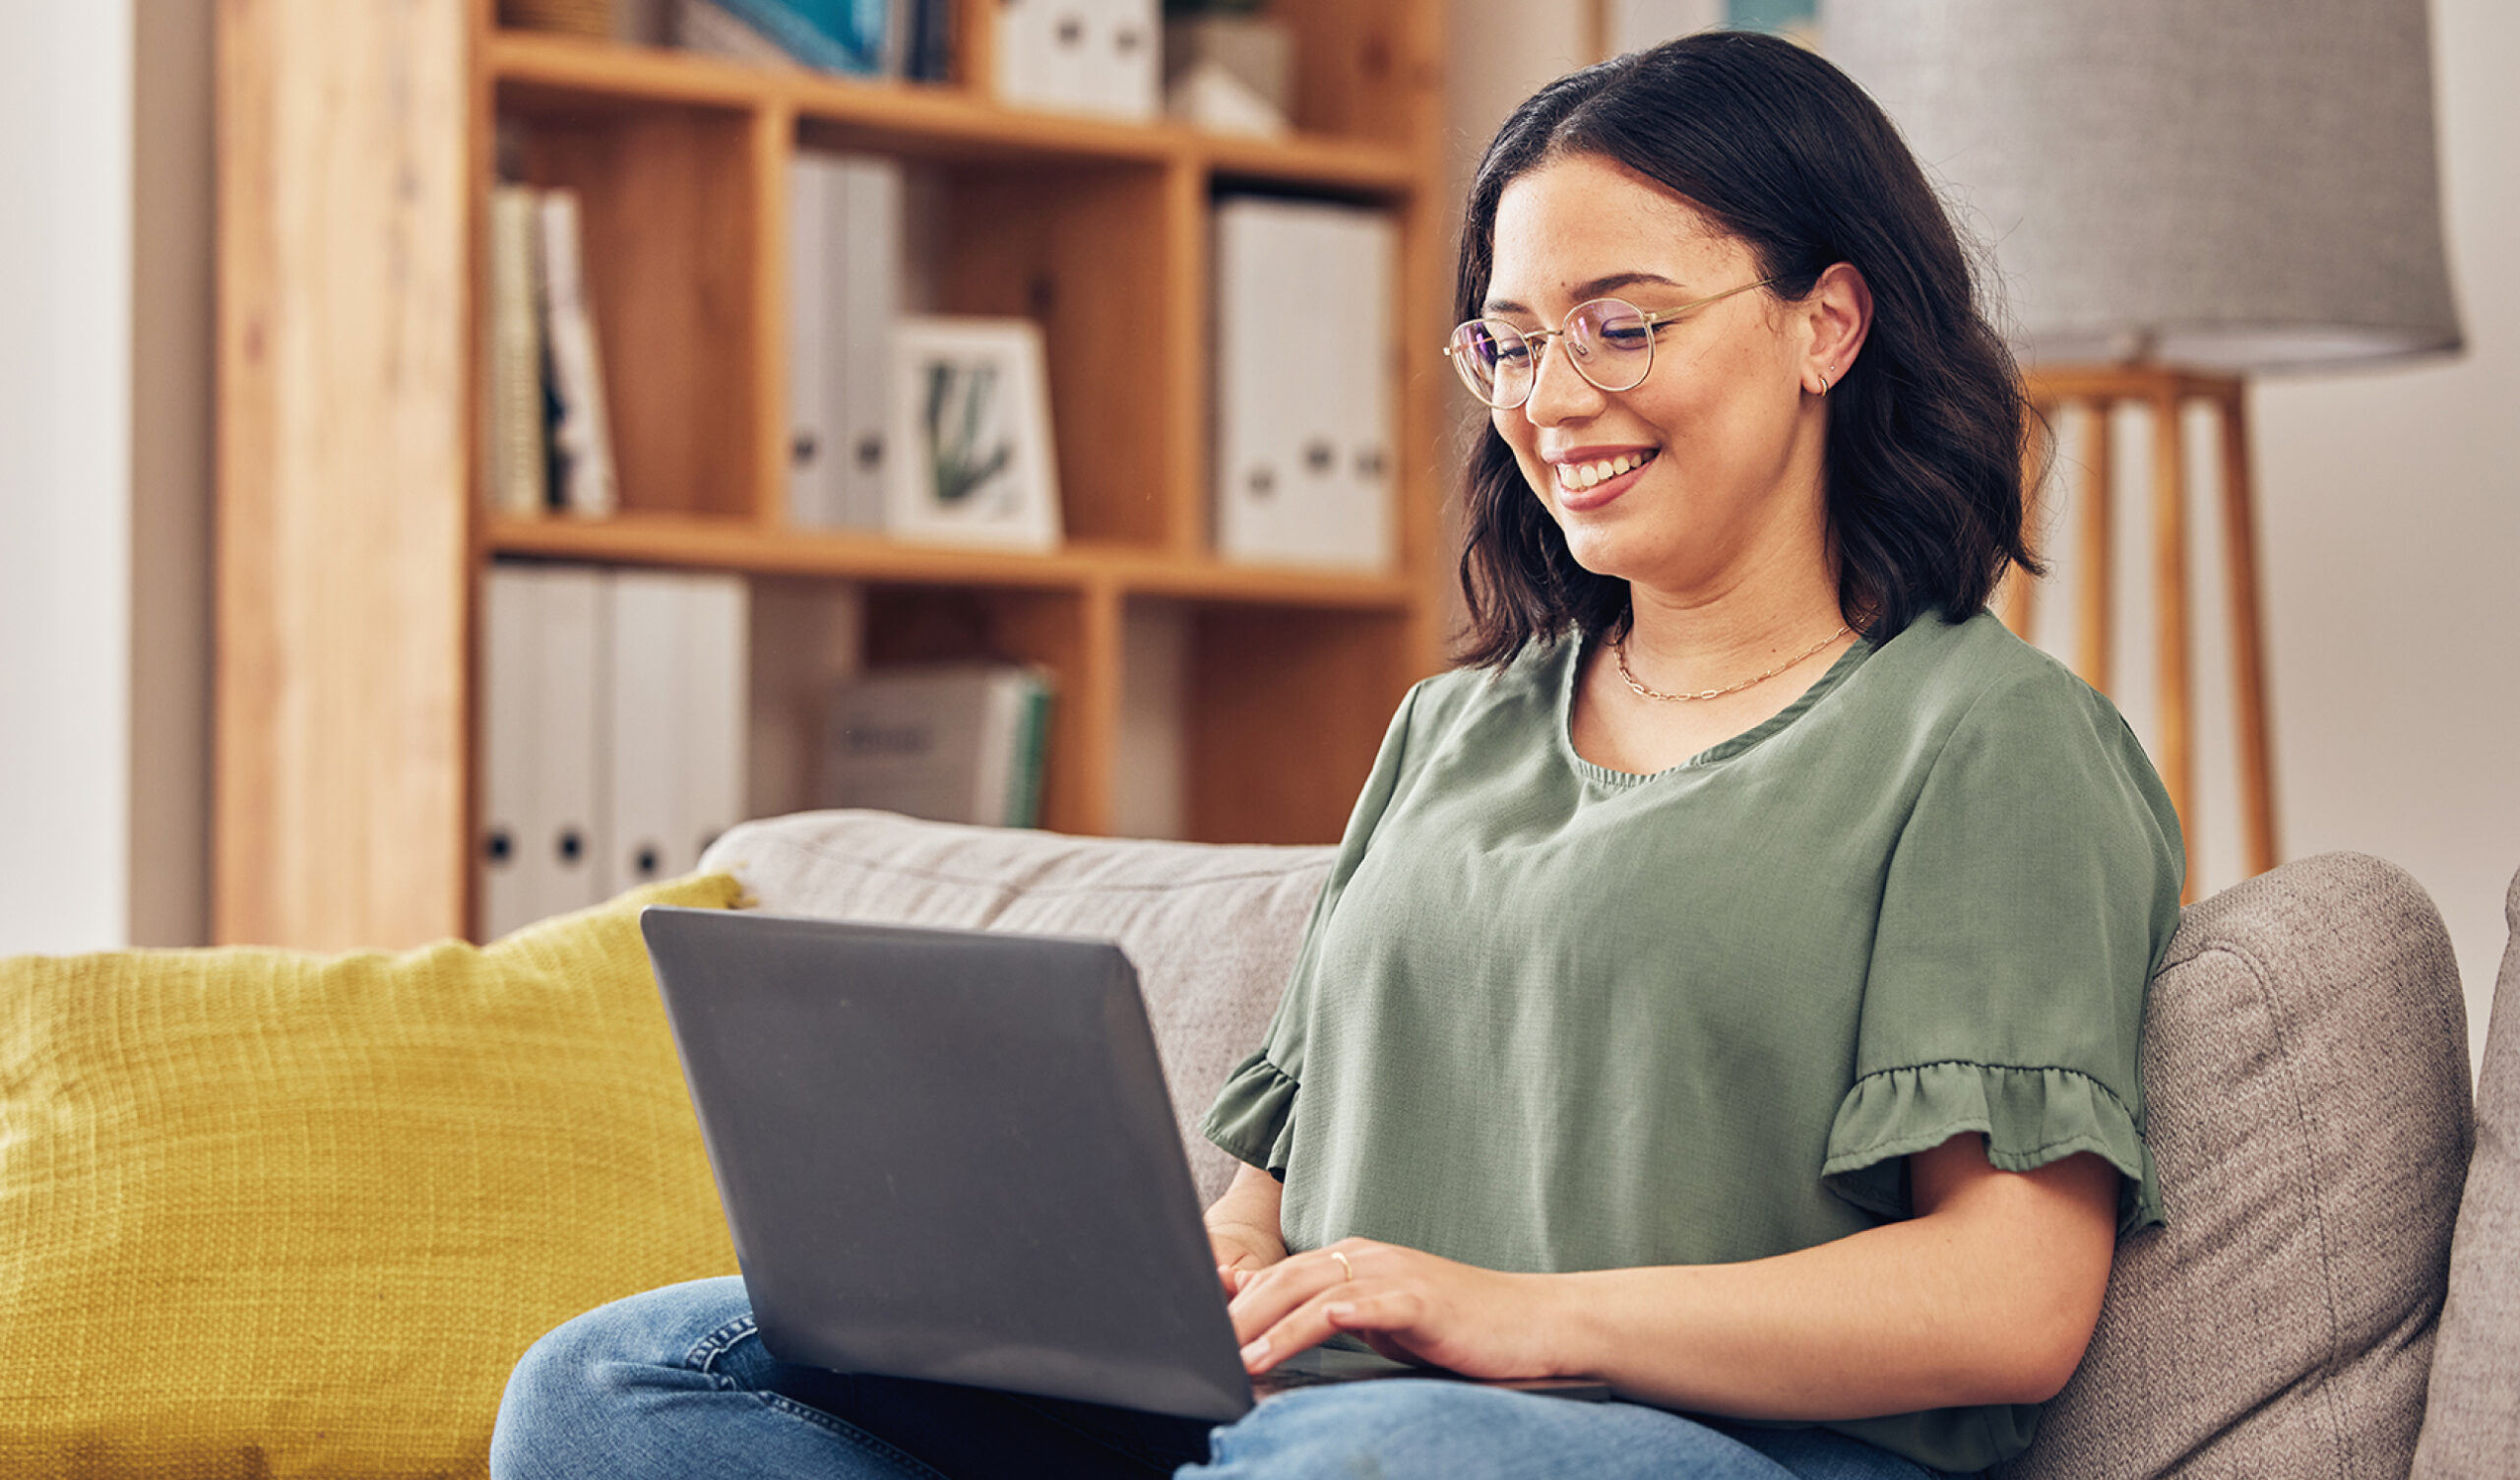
{"points": [[2389, 519], [65, 473], [104, 417]]}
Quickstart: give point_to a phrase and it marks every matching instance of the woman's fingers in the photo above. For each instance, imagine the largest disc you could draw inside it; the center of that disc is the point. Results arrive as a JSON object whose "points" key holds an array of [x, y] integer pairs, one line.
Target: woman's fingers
{"points": [[1267, 1296], [1336, 1310], [1404, 1304], [1288, 1306]]}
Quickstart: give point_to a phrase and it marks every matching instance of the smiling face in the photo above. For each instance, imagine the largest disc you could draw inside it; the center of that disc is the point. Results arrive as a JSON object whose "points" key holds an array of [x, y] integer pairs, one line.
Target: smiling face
{"points": [[1708, 473]]}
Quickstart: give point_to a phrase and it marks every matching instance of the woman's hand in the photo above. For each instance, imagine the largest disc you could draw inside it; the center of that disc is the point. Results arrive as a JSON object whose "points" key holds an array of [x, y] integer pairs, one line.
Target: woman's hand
{"points": [[1241, 1254], [1242, 1228], [1409, 1305]]}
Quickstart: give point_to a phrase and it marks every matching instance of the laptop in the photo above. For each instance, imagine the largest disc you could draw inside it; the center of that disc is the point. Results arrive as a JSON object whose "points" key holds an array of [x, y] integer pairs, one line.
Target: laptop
{"points": [[950, 1155]]}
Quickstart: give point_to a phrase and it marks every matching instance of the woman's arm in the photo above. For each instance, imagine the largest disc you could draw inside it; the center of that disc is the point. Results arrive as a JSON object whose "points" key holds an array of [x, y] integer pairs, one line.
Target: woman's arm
{"points": [[1244, 1227], [1987, 1295]]}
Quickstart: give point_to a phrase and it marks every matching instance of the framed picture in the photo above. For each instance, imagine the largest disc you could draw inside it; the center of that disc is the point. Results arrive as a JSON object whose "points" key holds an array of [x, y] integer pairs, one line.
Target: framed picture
{"points": [[972, 417]]}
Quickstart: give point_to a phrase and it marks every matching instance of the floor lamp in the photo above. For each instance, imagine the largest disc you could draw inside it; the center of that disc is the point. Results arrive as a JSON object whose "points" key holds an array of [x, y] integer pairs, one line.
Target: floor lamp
{"points": [[2180, 193]]}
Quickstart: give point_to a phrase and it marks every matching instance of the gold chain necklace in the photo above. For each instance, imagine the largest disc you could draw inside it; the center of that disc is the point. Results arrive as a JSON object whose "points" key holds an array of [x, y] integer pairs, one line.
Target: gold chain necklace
{"points": [[1619, 651]]}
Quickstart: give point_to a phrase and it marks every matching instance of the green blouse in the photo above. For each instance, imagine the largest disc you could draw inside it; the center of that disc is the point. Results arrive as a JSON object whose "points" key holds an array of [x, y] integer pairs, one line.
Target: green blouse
{"points": [[1552, 1017]]}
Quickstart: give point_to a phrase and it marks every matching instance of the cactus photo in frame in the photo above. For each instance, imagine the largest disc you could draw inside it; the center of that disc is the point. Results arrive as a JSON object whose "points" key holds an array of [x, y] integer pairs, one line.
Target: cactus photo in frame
{"points": [[970, 408]]}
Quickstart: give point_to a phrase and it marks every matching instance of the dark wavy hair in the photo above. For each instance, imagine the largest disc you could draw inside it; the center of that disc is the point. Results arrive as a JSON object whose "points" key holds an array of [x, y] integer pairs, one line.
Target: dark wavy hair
{"points": [[1927, 433]]}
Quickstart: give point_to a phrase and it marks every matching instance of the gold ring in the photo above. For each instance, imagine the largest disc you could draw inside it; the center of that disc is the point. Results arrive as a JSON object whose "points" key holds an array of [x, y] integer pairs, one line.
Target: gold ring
{"points": [[1343, 1263]]}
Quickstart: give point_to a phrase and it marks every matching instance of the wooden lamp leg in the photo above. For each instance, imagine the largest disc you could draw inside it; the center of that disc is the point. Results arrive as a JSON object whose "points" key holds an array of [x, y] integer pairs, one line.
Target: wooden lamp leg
{"points": [[2166, 394], [2169, 594], [2100, 567], [2012, 595], [2248, 673]]}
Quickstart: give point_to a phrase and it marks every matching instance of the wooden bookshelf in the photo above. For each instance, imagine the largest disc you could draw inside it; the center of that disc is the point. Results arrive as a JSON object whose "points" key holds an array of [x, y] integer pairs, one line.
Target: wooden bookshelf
{"points": [[357, 148]]}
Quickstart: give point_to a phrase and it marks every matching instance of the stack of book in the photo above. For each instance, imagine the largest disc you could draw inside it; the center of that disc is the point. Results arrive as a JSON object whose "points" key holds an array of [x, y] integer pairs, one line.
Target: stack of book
{"points": [[551, 438], [952, 742], [1076, 56]]}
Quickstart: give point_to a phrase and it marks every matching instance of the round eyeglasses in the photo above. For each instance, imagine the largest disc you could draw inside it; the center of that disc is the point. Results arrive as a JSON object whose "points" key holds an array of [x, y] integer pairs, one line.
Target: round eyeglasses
{"points": [[1610, 342]]}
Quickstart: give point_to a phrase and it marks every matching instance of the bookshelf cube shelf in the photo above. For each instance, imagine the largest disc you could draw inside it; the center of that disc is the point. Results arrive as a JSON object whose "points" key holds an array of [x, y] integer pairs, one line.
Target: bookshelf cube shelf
{"points": [[1278, 681], [669, 201], [1275, 752]]}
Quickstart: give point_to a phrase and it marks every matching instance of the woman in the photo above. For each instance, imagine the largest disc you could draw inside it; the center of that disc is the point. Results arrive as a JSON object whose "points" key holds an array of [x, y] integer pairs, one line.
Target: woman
{"points": [[1730, 983]]}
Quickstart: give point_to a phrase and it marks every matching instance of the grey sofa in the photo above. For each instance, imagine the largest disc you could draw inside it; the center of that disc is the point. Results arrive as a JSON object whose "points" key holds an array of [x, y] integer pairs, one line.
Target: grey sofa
{"points": [[2306, 1313]]}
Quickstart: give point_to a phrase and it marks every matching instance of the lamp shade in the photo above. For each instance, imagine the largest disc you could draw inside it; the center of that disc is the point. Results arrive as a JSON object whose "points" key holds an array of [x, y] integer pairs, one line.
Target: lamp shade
{"points": [[2215, 184]]}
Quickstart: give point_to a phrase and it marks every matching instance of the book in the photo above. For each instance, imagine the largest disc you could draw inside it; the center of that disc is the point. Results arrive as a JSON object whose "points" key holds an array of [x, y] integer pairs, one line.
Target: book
{"points": [[581, 427], [859, 38], [950, 742], [928, 55], [519, 457], [709, 29]]}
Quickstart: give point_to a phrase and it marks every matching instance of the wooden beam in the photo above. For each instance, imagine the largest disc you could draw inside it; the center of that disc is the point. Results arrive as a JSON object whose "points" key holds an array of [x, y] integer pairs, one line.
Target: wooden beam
{"points": [[344, 526]]}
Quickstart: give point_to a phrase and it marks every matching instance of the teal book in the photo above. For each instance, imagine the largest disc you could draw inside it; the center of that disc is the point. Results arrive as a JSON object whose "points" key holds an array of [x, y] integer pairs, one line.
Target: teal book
{"points": [[834, 36]]}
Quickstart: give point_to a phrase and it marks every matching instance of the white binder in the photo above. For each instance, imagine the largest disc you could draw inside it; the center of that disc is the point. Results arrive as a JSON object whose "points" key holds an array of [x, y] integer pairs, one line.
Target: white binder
{"points": [[1362, 247], [1124, 60], [718, 699], [569, 758], [511, 617], [613, 732], [644, 694], [542, 844], [1081, 56], [870, 305], [845, 290], [1304, 470], [815, 444], [1023, 44], [675, 714]]}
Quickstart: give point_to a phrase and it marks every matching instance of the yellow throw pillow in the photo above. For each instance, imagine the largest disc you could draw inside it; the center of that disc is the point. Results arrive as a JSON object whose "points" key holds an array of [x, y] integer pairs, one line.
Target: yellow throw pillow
{"points": [[265, 1214]]}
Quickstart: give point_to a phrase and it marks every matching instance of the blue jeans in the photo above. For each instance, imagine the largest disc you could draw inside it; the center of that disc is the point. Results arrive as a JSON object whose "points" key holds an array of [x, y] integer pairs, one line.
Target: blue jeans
{"points": [[675, 1384]]}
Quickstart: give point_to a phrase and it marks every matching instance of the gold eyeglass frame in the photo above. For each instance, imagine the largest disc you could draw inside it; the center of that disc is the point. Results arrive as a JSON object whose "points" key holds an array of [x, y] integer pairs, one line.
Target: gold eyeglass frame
{"points": [[1539, 338]]}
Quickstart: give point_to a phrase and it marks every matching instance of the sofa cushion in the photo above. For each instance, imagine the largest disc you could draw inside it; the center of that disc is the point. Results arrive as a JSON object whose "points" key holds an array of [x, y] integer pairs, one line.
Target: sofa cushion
{"points": [[2305, 1065], [1212, 930], [265, 1214], [2472, 1415]]}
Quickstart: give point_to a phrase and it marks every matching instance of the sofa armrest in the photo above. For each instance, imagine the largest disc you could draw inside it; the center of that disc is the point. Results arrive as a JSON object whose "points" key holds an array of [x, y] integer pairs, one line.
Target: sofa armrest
{"points": [[2471, 1413], [2306, 1072]]}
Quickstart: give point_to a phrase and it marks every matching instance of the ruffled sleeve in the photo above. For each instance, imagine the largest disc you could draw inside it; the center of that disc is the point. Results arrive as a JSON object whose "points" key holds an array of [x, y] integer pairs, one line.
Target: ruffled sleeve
{"points": [[2031, 894], [2030, 1118], [1253, 1115]]}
